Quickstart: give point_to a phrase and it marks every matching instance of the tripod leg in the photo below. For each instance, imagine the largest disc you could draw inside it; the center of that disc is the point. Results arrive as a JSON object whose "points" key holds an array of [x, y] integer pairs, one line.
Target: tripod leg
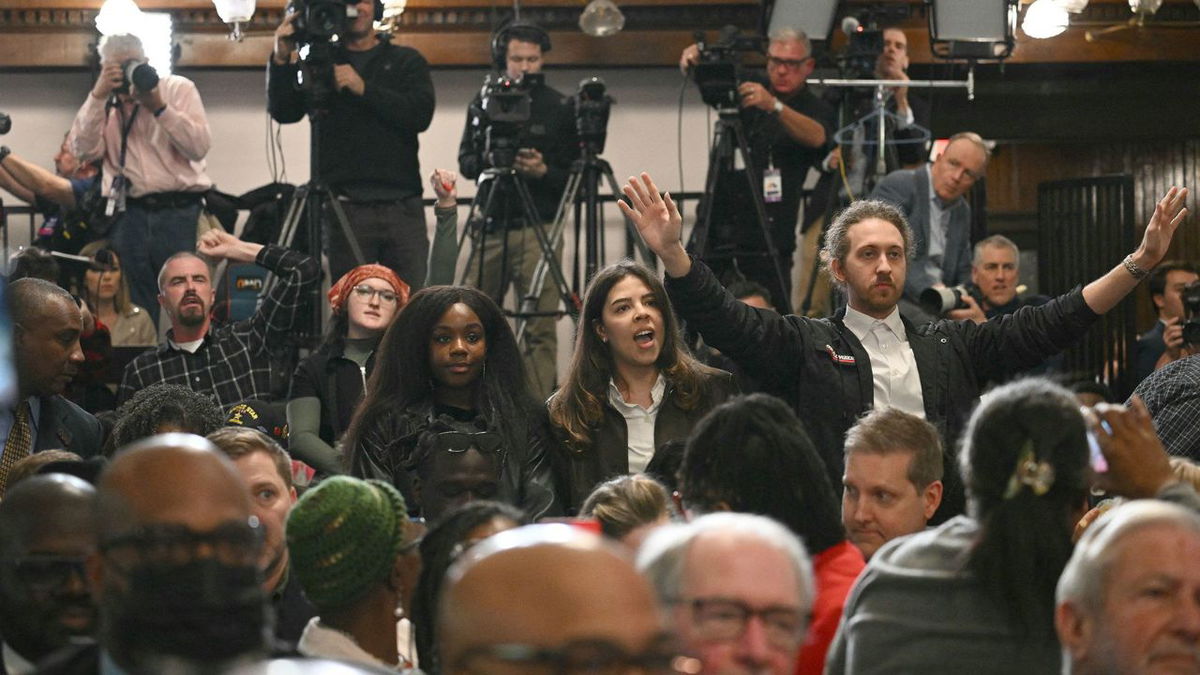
{"points": [[718, 158], [760, 212], [339, 215], [607, 173]]}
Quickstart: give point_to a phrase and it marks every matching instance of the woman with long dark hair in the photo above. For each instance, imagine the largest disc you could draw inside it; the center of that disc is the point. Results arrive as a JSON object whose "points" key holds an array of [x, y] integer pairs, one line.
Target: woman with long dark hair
{"points": [[631, 385], [977, 592], [449, 400], [329, 384], [107, 293]]}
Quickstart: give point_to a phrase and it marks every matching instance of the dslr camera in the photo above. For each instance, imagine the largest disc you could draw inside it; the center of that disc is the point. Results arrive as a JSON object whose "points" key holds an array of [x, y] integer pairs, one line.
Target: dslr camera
{"points": [[139, 73], [939, 301], [501, 115], [719, 69]]}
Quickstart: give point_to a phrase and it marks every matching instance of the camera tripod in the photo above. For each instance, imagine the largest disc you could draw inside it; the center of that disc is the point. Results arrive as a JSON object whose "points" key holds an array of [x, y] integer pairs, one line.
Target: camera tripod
{"points": [[507, 180], [731, 154], [581, 197], [308, 206]]}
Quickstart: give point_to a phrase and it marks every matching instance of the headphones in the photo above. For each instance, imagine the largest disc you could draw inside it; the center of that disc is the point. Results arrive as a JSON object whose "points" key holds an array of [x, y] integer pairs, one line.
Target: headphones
{"points": [[504, 35], [378, 10]]}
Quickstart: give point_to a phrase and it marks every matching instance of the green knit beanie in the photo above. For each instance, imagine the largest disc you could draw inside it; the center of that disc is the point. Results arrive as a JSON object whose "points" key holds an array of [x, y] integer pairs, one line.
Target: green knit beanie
{"points": [[343, 537]]}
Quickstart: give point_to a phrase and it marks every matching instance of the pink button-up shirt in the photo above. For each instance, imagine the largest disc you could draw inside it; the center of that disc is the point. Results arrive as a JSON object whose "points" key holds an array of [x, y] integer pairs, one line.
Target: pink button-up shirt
{"points": [[164, 153]]}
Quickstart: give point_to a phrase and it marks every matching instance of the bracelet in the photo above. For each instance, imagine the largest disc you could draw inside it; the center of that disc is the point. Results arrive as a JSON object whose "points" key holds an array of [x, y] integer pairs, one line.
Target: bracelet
{"points": [[778, 107], [1135, 270]]}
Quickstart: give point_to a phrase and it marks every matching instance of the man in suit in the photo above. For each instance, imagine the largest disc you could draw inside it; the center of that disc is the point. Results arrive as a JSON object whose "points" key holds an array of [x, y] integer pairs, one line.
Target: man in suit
{"points": [[46, 328], [46, 534], [1163, 343], [931, 198]]}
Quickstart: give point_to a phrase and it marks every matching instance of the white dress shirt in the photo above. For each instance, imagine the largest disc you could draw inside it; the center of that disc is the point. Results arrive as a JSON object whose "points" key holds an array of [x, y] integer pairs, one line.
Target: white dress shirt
{"points": [[893, 366], [639, 422]]}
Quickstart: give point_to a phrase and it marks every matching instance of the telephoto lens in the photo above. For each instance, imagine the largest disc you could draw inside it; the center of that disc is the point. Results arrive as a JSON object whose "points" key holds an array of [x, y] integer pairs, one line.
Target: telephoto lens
{"points": [[141, 74]]}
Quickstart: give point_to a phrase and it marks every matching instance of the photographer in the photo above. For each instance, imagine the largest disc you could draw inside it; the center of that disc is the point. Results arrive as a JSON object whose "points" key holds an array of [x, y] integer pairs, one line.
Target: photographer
{"points": [[506, 247], [383, 97], [153, 139], [1163, 343], [789, 129]]}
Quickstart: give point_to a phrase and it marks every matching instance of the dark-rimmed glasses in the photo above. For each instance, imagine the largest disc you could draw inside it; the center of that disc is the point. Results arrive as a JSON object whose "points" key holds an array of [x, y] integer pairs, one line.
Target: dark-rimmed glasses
{"points": [[232, 543], [579, 656], [45, 573], [726, 619], [787, 64], [365, 293]]}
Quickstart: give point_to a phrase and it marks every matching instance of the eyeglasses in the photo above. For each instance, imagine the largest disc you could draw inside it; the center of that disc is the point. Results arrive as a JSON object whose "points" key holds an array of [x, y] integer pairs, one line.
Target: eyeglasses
{"points": [[462, 441], [726, 619], [579, 656], [232, 543], [366, 293], [788, 64], [44, 573]]}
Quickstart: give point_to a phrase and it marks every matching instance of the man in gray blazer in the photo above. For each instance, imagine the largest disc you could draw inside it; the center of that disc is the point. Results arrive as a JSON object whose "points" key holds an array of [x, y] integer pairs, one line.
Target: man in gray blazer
{"points": [[933, 194]]}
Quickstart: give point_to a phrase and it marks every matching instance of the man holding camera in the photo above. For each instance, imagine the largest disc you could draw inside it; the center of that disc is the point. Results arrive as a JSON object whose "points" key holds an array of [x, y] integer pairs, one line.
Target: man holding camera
{"points": [[1163, 343], [153, 135], [506, 248], [789, 129], [383, 98], [932, 200]]}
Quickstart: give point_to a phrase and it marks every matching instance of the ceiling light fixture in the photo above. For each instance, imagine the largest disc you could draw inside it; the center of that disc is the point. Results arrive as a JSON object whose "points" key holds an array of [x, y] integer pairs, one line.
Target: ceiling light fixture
{"points": [[601, 18]]}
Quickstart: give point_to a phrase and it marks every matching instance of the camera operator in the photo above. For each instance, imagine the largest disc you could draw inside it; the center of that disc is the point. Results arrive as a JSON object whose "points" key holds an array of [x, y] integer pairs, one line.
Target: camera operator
{"points": [[1163, 343], [383, 97], [69, 197], [153, 135], [506, 246], [789, 129]]}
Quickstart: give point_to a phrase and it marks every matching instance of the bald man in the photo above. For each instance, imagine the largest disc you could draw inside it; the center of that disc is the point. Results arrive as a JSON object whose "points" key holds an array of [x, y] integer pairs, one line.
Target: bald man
{"points": [[46, 533], [46, 328], [548, 593], [175, 576]]}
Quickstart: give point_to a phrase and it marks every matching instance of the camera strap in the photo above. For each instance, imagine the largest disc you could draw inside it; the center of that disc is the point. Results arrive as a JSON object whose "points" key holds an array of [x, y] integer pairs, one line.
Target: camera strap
{"points": [[120, 184]]}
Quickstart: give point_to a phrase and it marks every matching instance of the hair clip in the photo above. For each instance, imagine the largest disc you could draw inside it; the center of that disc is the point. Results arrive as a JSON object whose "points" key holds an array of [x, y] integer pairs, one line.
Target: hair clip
{"points": [[1039, 476]]}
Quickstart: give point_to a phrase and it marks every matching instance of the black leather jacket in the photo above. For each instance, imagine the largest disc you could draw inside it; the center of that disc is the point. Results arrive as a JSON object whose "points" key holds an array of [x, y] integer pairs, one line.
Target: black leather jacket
{"points": [[821, 369], [608, 454], [526, 480]]}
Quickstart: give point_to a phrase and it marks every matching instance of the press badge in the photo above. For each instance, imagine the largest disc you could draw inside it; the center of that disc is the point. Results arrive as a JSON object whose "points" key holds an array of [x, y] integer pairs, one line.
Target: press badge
{"points": [[772, 185]]}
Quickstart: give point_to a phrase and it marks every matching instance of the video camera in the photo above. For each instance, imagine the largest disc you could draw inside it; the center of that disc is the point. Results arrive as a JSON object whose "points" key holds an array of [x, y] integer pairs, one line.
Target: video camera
{"points": [[1191, 312], [500, 117], [719, 69], [590, 107], [320, 20], [318, 25]]}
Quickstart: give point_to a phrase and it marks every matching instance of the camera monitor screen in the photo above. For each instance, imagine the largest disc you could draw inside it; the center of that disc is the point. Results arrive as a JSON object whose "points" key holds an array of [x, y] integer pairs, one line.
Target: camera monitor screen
{"points": [[814, 17]]}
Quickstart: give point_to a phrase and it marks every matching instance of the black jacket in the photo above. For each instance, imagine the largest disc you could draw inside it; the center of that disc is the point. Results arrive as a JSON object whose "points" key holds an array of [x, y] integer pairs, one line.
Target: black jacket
{"points": [[62, 425], [368, 140], [550, 130], [339, 384], [526, 479], [608, 454], [823, 371]]}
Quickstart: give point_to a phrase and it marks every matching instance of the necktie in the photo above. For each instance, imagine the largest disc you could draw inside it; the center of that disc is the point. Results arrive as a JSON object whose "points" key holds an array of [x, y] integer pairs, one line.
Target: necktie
{"points": [[18, 444]]}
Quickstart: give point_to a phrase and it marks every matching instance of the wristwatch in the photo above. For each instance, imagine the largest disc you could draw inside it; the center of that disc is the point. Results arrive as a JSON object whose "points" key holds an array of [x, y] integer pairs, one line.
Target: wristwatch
{"points": [[778, 106], [4, 152]]}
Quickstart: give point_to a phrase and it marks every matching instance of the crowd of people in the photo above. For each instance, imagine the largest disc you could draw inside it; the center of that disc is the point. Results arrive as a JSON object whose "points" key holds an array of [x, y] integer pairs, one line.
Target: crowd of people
{"points": [[883, 489]]}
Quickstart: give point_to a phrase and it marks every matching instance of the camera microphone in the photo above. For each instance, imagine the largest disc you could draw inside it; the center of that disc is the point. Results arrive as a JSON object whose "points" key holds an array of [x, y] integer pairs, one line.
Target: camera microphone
{"points": [[850, 25]]}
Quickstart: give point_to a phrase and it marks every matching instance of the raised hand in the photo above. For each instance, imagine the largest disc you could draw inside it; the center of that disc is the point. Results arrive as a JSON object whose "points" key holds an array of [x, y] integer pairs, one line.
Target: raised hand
{"points": [[1168, 214], [443, 182], [1137, 464], [658, 222], [219, 244]]}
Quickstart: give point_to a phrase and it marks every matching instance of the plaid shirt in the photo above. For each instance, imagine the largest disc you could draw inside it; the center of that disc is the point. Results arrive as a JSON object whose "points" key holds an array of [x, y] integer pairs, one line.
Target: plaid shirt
{"points": [[233, 363], [1172, 395]]}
